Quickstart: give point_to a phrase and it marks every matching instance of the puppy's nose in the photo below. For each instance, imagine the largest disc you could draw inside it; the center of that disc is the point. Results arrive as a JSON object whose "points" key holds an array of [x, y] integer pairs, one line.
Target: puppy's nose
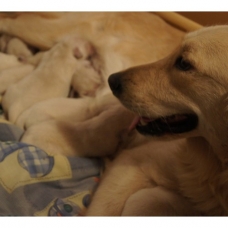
{"points": [[114, 81]]}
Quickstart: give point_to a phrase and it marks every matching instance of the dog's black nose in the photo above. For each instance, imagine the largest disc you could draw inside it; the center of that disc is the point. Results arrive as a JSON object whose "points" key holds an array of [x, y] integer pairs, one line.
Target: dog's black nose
{"points": [[114, 81]]}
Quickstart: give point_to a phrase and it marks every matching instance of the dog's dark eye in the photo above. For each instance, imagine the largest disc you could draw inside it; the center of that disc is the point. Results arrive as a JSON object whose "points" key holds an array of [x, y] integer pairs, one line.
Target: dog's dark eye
{"points": [[182, 64]]}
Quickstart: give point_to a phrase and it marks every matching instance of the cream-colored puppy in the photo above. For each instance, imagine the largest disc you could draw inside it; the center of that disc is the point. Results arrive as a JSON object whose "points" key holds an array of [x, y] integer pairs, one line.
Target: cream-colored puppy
{"points": [[183, 99], [51, 78]]}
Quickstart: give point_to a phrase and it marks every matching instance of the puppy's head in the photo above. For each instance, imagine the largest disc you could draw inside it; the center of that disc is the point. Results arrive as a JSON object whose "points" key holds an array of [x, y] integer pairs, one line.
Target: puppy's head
{"points": [[182, 93]]}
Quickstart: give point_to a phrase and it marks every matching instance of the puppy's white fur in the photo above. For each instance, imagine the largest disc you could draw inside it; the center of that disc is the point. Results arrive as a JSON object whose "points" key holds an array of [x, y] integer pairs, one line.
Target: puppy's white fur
{"points": [[63, 63]]}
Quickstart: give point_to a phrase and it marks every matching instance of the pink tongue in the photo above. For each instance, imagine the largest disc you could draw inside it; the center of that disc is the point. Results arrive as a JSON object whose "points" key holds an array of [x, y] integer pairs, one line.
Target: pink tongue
{"points": [[136, 120], [134, 123]]}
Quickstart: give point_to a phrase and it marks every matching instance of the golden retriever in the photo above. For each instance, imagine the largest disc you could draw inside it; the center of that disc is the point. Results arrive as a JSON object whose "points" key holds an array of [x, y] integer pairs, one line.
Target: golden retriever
{"points": [[77, 50], [183, 99]]}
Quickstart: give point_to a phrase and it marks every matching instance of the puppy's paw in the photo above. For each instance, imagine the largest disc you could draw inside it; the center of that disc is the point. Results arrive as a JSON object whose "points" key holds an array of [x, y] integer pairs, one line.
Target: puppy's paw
{"points": [[86, 81], [87, 78]]}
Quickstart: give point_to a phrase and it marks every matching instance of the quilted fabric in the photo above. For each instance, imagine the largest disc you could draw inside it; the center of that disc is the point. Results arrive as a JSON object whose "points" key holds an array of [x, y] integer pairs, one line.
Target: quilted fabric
{"points": [[33, 183]]}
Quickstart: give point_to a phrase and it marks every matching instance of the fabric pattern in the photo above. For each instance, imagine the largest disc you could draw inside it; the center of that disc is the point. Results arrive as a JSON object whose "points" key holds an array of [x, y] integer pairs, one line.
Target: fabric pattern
{"points": [[35, 183], [36, 161]]}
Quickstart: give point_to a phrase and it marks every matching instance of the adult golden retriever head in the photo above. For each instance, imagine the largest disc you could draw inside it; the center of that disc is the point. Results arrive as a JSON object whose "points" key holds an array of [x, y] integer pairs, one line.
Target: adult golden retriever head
{"points": [[183, 94]]}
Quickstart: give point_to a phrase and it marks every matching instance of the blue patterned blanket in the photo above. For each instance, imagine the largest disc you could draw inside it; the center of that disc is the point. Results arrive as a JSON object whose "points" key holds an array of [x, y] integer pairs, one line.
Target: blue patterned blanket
{"points": [[35, 183]]}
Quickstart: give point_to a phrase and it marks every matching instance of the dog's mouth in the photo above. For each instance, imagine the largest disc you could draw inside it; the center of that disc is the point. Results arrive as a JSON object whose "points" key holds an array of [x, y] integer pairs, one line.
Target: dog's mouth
{"points": [[174, 124]]}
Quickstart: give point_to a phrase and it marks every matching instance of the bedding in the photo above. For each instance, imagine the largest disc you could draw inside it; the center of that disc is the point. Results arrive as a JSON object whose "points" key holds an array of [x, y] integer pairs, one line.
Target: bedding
{"points": [[35, 183]]}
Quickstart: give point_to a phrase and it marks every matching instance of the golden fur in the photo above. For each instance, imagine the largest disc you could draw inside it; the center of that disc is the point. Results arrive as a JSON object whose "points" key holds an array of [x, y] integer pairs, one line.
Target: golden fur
{"points": [[195, 167], [148, 177], [78, 50]]}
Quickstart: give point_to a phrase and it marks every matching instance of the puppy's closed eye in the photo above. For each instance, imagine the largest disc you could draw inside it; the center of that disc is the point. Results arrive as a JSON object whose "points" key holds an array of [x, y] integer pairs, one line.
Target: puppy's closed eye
{"points": [[182, 64]]}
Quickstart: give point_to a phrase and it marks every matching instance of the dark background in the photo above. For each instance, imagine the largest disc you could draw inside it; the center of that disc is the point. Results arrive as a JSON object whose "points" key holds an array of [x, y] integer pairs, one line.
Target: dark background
{"points": [[207, 18]]}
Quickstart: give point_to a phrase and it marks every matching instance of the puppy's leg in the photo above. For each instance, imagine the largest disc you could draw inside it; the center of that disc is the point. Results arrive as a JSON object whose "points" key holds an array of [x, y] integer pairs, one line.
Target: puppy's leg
{"points": [[158, 201]]}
